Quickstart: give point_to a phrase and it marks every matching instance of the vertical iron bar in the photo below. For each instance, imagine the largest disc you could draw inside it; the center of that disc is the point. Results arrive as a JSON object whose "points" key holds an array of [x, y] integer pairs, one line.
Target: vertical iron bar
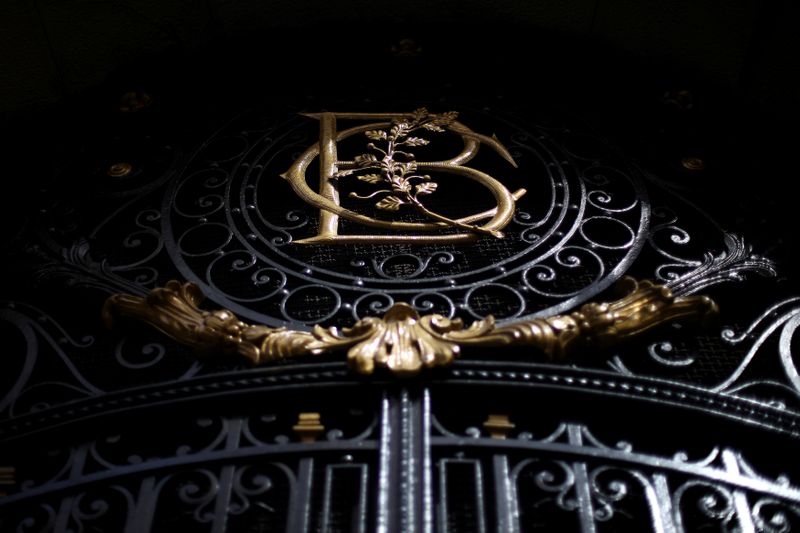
{"points": [[140, 519], [746, 524], [664, 502], [401, 477], [223, 499], [75, 472], [505, 496], [385, 486], [62, 518], [300, 506], [427, 465], [582, 488], [226, 479], [408, 466], [363, 506]]}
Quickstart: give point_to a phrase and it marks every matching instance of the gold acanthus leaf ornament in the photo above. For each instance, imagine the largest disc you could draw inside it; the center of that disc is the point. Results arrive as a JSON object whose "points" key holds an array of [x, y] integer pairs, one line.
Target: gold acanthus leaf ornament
{"points": [[403, 341]]}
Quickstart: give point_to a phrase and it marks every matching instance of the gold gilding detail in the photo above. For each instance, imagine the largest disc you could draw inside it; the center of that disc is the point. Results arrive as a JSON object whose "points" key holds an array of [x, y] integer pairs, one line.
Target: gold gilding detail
{"points": [[308, 427], [694, 164], [498, 426], [402, 341], [7, 479], [400, 179], [119, 170]]}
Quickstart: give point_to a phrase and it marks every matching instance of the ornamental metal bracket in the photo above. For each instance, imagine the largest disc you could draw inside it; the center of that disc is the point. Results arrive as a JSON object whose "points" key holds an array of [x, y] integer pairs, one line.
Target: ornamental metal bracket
{"points": [[403, 341]]}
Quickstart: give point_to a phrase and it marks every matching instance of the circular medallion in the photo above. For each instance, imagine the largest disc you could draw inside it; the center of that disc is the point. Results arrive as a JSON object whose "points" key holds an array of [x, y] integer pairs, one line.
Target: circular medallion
{"points": [[331, 217]]}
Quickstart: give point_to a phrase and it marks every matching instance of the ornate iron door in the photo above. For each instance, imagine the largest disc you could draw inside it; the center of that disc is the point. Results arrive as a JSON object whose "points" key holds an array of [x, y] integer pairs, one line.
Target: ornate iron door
{"points": [[395, 320]]}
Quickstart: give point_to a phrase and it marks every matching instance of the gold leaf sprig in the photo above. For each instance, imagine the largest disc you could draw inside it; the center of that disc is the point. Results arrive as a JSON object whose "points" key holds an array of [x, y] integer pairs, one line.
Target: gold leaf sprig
{"points": [[396, 167]]}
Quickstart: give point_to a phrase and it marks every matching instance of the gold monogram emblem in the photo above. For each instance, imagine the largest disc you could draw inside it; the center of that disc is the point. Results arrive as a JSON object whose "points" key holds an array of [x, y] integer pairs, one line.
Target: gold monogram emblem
{"points": [[401, 182]]}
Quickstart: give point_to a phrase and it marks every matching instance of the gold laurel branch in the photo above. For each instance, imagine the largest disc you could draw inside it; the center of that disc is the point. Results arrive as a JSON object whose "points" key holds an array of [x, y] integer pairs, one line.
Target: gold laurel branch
{"points": [[403, 341]]}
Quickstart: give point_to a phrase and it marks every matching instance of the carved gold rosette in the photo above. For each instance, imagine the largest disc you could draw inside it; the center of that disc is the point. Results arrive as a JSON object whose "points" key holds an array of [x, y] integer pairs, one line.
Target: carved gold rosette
{"points": [[403, 341]]}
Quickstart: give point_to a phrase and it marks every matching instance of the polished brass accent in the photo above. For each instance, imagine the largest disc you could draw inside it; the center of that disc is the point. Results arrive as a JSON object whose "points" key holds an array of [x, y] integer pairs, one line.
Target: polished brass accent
{"points": [[7, 479], [396, 168], [693, 163], [119, 170], [498, 426], [133, 101], [308, 427], [403, 341]]}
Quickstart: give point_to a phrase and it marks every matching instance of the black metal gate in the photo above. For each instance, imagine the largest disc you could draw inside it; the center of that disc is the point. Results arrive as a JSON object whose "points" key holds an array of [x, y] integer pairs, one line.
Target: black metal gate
{"points": [[689, 428]]}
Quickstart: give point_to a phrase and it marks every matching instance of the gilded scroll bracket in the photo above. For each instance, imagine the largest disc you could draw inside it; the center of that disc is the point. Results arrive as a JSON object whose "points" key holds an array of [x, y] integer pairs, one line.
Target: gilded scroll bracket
{"points": [[403, 341]]}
